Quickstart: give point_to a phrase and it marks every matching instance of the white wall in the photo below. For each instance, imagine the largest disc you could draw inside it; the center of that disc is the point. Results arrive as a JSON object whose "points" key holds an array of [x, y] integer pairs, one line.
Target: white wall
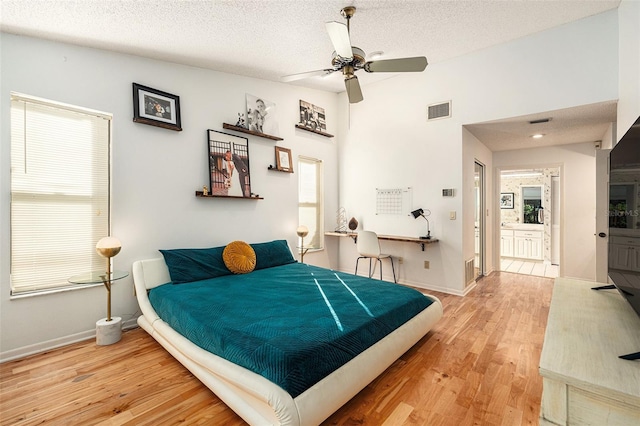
{"points": [[155, 172], [629, 66], [389, 143]]}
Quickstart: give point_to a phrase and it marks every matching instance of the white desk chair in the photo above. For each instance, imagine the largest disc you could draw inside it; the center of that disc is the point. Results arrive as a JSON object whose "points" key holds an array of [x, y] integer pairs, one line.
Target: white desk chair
{"points": [[369, 247]]}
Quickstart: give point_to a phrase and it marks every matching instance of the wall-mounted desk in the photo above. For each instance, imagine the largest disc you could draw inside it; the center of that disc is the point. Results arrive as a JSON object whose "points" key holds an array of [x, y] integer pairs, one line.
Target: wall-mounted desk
{"points": [[354, 236]]}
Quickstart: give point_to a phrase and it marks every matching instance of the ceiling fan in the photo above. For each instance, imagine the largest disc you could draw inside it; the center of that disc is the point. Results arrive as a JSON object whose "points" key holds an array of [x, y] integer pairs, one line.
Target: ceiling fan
{"points": [[349, 59]]}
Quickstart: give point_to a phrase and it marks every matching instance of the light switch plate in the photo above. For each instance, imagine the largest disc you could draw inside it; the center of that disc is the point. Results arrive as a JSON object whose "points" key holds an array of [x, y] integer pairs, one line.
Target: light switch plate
{"points": [[452, 215]]}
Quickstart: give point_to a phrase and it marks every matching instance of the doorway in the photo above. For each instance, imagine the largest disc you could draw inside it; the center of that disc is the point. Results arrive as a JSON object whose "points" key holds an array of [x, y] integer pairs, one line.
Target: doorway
{"points": [[530, 221], [479, 220]]}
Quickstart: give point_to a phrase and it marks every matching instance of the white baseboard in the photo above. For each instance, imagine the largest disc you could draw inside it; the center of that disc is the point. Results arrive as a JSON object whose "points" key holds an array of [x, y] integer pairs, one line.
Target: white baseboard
{"points": [[56, 343], [420, 285]]}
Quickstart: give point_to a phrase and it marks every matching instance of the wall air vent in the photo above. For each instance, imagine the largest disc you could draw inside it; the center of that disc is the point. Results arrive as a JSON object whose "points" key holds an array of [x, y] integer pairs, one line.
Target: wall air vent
{"points": [[439, 110]]}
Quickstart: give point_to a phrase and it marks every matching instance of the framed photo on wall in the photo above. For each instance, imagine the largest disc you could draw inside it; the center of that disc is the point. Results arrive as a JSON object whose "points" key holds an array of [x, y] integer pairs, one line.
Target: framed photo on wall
{"points": [[228, 164], [283, 159], [312, 116], [261, 115], [506, 200], [156, 108]]}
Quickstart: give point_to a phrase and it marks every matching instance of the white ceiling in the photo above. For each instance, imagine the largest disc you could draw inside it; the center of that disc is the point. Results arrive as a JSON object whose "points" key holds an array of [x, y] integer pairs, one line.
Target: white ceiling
{"points": [[268, 39]]}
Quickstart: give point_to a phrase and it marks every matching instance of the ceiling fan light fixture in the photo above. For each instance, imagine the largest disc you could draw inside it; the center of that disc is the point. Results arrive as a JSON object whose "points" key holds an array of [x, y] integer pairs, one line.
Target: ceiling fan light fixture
{"points": [[348, 59], [376, 55]]}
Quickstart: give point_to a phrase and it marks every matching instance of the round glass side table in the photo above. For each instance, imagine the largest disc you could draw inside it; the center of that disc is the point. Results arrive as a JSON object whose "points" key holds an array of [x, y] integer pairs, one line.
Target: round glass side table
{"points": [[108, 330]]}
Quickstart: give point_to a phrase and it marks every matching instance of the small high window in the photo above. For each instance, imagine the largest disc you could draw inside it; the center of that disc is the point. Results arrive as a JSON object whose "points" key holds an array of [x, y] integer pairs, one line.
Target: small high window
{"points": [[310, 200]]}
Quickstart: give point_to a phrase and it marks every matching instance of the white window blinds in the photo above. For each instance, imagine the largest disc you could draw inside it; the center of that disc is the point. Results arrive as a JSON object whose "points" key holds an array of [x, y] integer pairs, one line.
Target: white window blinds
{"points": [[59, 192], [310, 200]]}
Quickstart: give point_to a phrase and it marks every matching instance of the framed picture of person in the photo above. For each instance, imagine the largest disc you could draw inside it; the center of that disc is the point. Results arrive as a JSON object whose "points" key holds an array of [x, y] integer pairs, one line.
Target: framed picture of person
{"points": [[156, 108], [506, 200], [312, 117], [229, 172], [261, 116], [283, 159]]}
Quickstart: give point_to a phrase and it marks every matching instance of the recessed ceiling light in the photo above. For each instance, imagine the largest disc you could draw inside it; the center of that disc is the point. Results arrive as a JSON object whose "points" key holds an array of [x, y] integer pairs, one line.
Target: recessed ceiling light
{"points": [[537, 135]]}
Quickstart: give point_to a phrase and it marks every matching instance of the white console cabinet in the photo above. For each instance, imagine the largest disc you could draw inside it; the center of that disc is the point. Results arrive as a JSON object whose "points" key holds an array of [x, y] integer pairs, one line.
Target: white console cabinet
{"points": [[584, 382]]}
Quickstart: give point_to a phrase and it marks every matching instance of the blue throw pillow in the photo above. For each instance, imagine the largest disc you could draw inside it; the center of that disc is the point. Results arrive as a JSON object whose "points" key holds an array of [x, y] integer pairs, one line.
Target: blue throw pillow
{"points": [[273, 253], [187, 265]]}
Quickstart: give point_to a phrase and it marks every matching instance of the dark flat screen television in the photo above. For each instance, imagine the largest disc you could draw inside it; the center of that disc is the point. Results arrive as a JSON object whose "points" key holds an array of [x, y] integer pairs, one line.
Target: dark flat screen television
{"points": [[624, 220]]}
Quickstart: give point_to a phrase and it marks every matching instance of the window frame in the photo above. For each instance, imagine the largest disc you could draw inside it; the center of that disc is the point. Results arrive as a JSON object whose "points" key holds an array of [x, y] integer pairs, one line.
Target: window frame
{"points": [[99, 133], [313, 244]]}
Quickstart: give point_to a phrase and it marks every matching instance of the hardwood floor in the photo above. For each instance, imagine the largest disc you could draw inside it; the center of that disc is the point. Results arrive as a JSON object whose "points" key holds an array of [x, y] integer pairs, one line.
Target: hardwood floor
{"points": [[478, 366]]}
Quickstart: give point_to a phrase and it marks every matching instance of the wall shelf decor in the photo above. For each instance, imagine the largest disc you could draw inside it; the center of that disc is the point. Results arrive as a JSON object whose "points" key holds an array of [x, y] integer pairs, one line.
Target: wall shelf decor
{"points": [[283, 159], [317, 132], [250, 132], [312, 119], [228, 164], [199, 194], [275, 169]]}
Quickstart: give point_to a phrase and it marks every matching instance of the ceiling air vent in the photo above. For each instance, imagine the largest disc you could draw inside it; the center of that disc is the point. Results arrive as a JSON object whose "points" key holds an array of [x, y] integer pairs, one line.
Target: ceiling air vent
{"points": [[440, 110], [542, 120]]}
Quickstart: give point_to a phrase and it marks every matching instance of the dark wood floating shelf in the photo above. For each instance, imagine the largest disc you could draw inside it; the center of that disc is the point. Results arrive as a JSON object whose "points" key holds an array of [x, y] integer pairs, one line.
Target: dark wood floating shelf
{"points": [[281, 171], [201, 195], [301, 127], [250, 132]]}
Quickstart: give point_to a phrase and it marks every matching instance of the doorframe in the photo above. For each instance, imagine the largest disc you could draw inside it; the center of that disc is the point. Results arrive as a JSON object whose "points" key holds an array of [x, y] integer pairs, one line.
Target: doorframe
{"points": [[496, 203], [602, 215], [482, 220]]}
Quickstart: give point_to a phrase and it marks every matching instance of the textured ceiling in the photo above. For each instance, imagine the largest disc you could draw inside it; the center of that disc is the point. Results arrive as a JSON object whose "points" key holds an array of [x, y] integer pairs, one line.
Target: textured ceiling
{"points": [[268, 39]]}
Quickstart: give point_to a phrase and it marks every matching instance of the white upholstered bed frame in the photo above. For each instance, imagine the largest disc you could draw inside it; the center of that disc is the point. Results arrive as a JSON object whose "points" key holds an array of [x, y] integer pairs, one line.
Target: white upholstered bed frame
{"points": [[254, 398]]}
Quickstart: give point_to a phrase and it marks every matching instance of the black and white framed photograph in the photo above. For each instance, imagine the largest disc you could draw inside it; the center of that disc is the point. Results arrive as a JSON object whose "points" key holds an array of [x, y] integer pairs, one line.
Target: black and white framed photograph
{"points": [[506, 200], [228, 164], [283, 159], [312, 116], [261, 116], [156, 108]]}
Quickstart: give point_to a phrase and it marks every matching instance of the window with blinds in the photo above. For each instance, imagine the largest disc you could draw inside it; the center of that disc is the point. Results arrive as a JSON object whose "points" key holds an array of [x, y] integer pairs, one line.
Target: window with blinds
{"points": [[310, 200], [59, 192]]}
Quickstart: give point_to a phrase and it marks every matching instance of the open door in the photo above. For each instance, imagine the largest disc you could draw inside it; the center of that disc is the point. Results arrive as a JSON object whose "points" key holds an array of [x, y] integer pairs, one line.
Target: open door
{"points": [[602, 214]]}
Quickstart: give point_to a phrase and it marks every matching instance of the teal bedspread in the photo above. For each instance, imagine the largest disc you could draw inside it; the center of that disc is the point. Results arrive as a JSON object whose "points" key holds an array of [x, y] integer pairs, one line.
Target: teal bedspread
{"points": [[293, 324]]}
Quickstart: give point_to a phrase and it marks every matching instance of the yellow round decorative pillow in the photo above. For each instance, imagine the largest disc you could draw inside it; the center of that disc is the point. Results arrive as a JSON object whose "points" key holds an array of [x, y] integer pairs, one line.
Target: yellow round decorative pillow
{"points": [[239, 257]]}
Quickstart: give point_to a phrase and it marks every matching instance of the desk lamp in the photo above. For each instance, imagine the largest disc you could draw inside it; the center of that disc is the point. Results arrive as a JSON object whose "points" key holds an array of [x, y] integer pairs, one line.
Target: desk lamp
{"points": [[419, 212], [302, 232]]}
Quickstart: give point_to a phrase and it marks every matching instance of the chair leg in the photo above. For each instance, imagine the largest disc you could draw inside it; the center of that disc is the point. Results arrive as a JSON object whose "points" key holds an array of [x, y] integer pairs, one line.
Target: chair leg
{"points": [[357, 260], [394, 270], [370, 273]]}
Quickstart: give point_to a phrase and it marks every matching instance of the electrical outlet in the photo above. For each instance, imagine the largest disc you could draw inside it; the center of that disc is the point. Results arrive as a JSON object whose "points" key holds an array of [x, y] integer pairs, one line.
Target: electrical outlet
{"points": [[400, 260], [426, 264]]}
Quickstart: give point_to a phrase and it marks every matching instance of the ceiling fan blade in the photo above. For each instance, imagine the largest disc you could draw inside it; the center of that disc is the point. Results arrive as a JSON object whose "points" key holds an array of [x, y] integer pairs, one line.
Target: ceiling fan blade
{"points": [[416, 64], [339, 35], [354, 93], [300, 76]]}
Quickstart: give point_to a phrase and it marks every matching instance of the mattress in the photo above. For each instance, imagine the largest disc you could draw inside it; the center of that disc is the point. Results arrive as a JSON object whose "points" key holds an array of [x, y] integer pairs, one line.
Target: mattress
{"points": [[292, 324]]}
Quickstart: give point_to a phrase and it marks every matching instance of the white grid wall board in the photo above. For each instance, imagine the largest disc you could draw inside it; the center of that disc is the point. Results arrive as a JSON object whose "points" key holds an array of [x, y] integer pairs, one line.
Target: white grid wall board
{"points": [[393, 201]]}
